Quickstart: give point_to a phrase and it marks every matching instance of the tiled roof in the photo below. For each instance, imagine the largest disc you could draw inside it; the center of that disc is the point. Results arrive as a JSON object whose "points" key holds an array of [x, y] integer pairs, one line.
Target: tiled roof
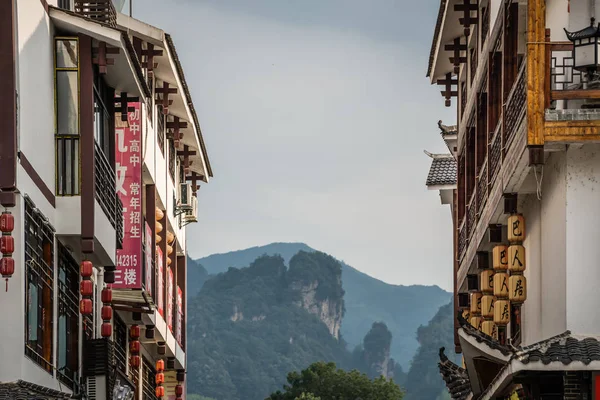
{"points": [[447, 129], [563, 348], [442, 170], [22, 390], [482, 337], [456, 378]]}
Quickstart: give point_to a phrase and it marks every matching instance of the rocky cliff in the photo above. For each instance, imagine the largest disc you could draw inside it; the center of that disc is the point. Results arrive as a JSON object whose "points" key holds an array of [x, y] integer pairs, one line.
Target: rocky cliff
{"points": [[329, 311], [376, 351], [316, 280]]}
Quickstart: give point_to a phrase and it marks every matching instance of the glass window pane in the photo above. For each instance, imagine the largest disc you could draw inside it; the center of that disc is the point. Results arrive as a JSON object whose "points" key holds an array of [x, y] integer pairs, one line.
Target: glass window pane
{"points": [[61, 169], [75, 166], [62, 341], [67, 102], [66, 53], [32, 313]]}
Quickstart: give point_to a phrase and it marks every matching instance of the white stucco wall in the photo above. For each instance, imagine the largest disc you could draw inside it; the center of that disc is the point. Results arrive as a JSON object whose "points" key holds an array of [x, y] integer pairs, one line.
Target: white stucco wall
{"points": [[553, 251], [582, 241], [36, 88]]}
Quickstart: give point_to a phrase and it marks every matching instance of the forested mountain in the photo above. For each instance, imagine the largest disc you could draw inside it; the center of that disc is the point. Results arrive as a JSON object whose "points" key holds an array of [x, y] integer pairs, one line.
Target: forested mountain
{"points": [[367, 300], [423, 381], [249, 327]]}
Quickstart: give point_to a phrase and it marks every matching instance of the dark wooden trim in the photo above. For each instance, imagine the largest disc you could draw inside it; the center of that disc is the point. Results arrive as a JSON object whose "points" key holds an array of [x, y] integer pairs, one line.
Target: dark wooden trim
{"points": [[150, 193], [8, 105], [575, 94], [37, 179], [86, 129]]}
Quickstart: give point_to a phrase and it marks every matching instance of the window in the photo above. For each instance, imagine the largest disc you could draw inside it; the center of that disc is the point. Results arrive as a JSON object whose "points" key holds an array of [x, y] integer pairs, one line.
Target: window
{"points": [[103, 121], [39, 264], [66, 4], [67, 116], [68, 317], [160, 132], [148, 380], [120, 338], [515, 324], [172, 160]]}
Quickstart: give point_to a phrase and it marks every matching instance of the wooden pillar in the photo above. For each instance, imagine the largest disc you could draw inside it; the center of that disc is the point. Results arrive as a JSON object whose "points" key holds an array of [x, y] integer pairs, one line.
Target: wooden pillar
{"points": [[536, 67], [455, 264], [8, 105], [87, 153]]}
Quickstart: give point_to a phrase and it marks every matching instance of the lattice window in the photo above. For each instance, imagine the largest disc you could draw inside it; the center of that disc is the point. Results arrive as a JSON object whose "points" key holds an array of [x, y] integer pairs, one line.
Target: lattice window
{"points": [[68, 317], [148, 383], [39, 287]]}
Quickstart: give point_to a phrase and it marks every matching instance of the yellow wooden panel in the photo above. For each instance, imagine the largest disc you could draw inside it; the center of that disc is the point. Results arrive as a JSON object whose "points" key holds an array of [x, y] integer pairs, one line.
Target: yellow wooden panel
{"points": [[536, 71]]}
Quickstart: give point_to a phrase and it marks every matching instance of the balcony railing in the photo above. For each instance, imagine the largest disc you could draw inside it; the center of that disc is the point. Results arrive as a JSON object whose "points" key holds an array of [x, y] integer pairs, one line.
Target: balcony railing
{"points": [[102, 11], [462, 240], [482, 187], [515, 107], [106, 193], [148, 381], [472, 215], [495, 154]]}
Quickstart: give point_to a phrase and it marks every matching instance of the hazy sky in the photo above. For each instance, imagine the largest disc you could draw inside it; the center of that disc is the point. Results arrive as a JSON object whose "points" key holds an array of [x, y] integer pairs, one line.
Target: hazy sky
{"points": [[316, 114]]}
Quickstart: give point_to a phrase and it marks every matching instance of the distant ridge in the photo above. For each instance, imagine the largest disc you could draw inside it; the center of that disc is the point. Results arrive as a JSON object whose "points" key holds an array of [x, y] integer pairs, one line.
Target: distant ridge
{"points": [[367, 299]]}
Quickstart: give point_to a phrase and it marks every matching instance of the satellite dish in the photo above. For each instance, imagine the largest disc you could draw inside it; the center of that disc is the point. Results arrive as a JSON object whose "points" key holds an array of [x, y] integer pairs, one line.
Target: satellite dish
{"points": [[119, 5]]}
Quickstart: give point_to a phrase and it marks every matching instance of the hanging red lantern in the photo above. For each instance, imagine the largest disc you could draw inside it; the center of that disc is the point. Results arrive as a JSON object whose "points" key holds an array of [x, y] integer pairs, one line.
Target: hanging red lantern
{"points": [[7, 244], [86, 269], [160, 378], [134, 346], [7, 267], [135, 361], [7, 222], [106, 295], [160, 391], [106, 329], [85, 306], [160, 366], [179, 390], [134, 331], [86, 288], [106, 313]]}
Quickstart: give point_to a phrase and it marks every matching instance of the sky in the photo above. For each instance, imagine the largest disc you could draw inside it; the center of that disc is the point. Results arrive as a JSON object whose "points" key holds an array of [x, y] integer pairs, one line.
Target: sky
{"points": [[316, 114]]}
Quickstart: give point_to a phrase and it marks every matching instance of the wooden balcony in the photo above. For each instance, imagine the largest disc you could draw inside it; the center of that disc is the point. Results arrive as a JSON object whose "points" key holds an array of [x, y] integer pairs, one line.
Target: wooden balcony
{"points": [[488, 169], [102, 11], [106, 193]]}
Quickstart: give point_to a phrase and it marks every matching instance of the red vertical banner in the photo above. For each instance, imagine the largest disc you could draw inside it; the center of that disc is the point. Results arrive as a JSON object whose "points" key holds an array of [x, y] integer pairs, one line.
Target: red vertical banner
{"points": [[160, 301], [128, 162], [148, 253], [179, 314], [170, 298]]}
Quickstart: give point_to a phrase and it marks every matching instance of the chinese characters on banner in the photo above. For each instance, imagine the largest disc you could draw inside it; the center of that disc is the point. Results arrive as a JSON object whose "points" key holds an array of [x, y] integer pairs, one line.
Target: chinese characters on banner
{"points": [[160, 302], [129, 188], [179, 313], [148, 249], [170, 298]]}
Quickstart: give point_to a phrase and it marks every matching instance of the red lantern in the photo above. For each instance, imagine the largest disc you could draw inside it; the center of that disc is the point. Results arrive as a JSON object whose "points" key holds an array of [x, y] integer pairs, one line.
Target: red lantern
{"points": [[86, 288], [85, 306], [7, 267], [86, 269], [160, 366], [106, 295], [160, 391], [7, 244], [160, 378], [179, 390], [134, 346], [135, 361], [7, 222], [106, 313], [134, 331], [106, 330]]}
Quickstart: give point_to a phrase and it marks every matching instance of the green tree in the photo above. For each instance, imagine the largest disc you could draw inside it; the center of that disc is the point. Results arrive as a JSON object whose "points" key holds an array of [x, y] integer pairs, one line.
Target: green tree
{"points": [[329, 383], [307, 396]]}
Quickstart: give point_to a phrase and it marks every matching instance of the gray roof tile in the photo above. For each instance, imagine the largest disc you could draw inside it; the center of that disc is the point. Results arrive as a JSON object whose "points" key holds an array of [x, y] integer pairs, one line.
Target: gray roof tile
{"points": [[442, 170]]}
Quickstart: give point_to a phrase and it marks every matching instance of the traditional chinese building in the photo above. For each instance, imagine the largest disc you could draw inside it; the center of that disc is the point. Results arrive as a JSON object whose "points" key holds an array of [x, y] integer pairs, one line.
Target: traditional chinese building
{"points": [[101, 157], [523, 77]]}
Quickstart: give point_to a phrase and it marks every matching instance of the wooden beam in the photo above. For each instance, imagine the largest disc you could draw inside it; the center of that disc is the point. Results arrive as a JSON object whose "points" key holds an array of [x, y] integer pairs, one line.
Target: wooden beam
{"points": [[166, 89], [572, 131], [575, 94], [536, 71], [174, 125]]}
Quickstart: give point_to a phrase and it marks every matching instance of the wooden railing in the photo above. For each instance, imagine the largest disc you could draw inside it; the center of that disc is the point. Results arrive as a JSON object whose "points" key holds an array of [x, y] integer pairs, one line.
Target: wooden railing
{"points": [[106, 192], [515, 107], [102, 11], [495, 153], [482, 187], [462, 240], [472, 214]]}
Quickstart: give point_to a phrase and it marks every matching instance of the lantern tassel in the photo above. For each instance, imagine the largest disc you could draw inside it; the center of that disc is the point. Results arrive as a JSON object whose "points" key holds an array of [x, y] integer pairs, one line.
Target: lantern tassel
{"points": [[6, 285]]}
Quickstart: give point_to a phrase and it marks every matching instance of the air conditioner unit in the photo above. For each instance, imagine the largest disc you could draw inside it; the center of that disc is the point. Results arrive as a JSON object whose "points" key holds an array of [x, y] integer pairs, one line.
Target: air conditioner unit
{"points": [[185, 196], [192, 214]]}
